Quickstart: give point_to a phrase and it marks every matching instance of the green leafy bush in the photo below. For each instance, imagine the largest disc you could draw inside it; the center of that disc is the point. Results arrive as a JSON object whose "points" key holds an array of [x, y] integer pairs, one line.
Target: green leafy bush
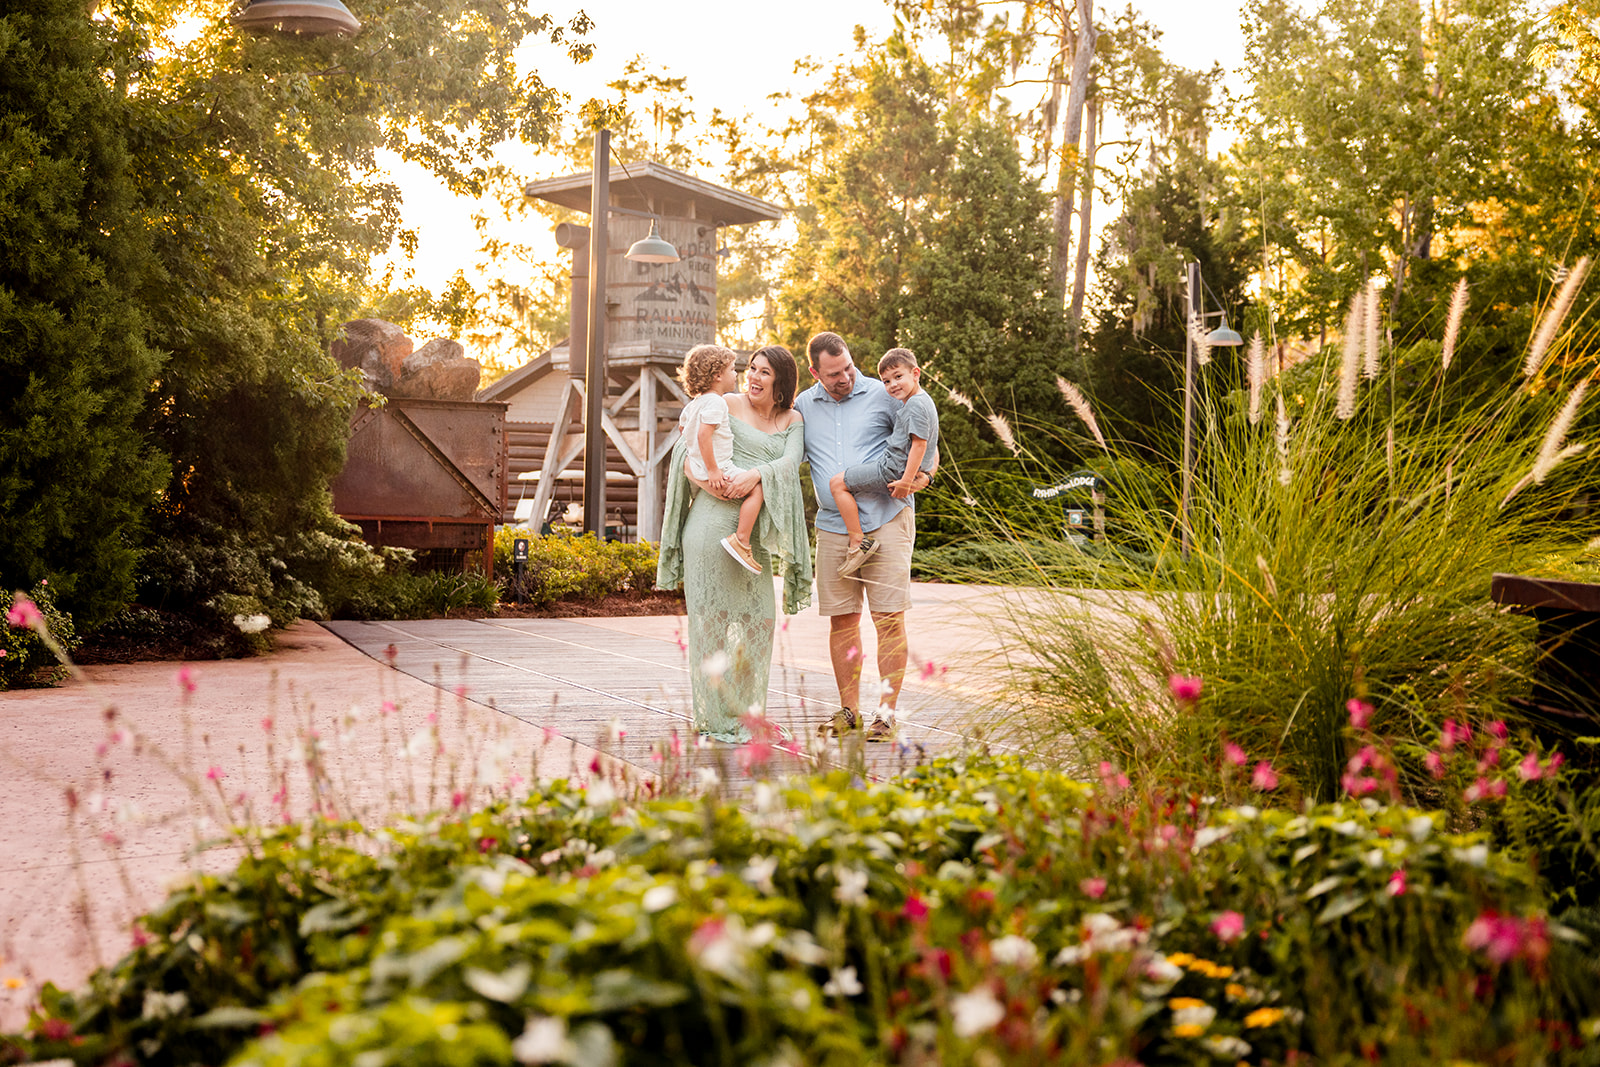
{"points": [[583, 567], [973, 912], [25, 658]]}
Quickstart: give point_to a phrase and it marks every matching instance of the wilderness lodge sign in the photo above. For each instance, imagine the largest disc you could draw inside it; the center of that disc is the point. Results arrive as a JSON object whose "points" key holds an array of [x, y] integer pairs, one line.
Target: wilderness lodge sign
{"points": [[661, 307]]}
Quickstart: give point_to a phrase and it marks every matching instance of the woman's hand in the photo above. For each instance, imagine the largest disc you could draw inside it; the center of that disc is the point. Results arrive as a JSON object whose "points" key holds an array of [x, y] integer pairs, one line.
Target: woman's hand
{"points": [[742, 486]]}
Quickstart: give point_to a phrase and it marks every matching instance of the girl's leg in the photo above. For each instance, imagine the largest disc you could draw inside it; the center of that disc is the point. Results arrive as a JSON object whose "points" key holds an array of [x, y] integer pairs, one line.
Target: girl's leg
{"points": [[749, 511]]}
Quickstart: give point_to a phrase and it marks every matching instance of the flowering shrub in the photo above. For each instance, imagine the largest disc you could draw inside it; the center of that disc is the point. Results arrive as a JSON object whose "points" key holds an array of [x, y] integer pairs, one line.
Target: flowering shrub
{"points": [[25, 656], [972, 912]]}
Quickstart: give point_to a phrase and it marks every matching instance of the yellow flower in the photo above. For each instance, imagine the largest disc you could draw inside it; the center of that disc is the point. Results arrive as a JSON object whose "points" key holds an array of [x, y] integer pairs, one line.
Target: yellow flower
{"points": [[1190, 1030], [13, 983], [1180, 959], [1180, 1003], [1235, 991], [1211, 970], [1263, 1017]]}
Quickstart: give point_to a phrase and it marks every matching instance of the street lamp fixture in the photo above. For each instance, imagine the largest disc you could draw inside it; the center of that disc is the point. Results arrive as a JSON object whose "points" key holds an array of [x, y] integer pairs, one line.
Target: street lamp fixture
{"points": [[653, 249], [308, 18], [1222, 337]]}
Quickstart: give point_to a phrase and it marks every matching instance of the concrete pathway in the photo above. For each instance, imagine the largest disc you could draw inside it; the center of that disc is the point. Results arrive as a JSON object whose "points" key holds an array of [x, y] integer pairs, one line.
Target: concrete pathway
{"points": [[107, 784]]}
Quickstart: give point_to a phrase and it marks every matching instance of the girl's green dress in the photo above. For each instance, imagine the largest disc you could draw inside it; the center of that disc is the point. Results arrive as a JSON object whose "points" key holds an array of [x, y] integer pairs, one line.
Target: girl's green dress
{"points": [[731, 611]]}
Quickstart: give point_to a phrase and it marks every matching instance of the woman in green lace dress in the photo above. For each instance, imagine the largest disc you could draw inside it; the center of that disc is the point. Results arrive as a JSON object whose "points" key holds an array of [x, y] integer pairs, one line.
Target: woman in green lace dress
{"points": [[731, 611]]}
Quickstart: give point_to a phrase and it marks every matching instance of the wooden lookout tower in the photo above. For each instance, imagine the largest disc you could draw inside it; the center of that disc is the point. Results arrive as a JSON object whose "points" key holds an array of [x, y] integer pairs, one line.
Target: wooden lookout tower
{"points": [[655, 313]]}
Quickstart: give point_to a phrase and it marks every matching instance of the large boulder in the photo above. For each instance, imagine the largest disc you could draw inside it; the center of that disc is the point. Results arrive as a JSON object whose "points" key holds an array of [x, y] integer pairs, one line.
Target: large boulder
{"points": [[439, 370], [377, 348]]}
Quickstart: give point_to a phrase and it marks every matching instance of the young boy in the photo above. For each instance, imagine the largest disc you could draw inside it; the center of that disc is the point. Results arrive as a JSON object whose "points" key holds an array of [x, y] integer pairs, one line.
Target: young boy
{"points": [[707, 374], [912, 447]]}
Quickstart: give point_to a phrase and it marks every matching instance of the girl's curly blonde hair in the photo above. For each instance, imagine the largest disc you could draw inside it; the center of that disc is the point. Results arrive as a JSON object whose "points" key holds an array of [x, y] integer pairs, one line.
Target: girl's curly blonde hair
{"points": [[703, 366]]}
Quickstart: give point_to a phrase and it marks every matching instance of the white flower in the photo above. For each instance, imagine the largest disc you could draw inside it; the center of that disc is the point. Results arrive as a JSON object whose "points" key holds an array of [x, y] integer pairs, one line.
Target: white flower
{"points": [[252, 624], [976, 1011], [759, 871], [1014, 951], [843, 983], [658, 898], [716, 665], [1476, 856], [1420, 826], [1159, 969], [158, 1005], [764, 796], [599, 795], [1201, 1015], [708, 777], [1227, 1046], [1208, 835], [852, 887], [544, 1040]]}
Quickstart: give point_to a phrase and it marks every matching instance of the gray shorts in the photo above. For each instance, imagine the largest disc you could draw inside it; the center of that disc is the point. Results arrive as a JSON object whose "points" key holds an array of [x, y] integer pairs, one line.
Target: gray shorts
{"points": [[867, 478]]}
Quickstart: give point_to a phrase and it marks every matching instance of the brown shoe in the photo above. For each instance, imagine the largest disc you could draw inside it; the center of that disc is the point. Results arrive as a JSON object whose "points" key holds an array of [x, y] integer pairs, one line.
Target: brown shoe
{"points": [[742, 553], [844, 721], [855, 557], [881, 730]]}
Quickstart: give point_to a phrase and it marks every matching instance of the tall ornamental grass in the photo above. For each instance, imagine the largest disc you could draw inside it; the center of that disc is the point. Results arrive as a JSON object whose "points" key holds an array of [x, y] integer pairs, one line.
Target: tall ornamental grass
{"points": [[1343, 531]]}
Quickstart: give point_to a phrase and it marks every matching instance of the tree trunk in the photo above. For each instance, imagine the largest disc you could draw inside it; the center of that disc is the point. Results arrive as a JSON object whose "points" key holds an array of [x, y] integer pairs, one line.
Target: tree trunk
{"points": [[1071, 134], [1085, 211]]}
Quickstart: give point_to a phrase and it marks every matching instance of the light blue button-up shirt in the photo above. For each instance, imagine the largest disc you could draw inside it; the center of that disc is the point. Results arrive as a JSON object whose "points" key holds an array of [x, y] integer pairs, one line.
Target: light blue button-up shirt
{"points": [[842, 433]]}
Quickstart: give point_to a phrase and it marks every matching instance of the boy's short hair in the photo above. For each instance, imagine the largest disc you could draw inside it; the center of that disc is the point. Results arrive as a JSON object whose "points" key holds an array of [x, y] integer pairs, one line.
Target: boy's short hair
{"points": [[828, 342], [896, 357], [702, 366]]}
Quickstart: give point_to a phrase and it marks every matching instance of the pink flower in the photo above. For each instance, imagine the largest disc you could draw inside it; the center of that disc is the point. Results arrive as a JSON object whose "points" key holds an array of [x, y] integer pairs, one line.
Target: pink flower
{"points": [[1234, 754], [24, 614], [1485, 788], [266, 724], [387, 708], [1359, 785], [1554, 762], [550, 734], [185, 679], [1229, 926], [1093, 888], [1113, 780], [852, 654], [1397, 882], [1499, 730], [1264, 777], [1366, 756], [915, 910], [1360, 713], [140, 938], [215, 774], [487, 844], [1185, 689], [675, 745], [677, 635], [1435, 764], [1529, 769], [1505, 938], [1453, 735], [754, 756], [457, 799], [932, 670]]}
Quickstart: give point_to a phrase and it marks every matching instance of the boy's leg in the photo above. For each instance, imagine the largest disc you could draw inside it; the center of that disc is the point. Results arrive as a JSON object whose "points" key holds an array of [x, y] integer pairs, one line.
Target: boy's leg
{"points": [[845, 501]]}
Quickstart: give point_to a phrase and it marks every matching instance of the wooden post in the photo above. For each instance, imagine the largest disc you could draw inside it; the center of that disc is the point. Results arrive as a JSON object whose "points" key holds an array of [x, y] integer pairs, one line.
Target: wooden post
{"points": [[594, 456], [1098, 499], [650, 478]]}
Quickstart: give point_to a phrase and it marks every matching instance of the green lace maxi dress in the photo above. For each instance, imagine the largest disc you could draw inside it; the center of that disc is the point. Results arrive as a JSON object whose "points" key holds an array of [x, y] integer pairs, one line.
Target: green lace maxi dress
{"points": [[731, 611]]}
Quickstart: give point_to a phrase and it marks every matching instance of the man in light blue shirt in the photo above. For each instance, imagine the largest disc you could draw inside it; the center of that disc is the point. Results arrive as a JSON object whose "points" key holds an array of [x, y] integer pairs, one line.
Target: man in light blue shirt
{"points": [[848, 420]]}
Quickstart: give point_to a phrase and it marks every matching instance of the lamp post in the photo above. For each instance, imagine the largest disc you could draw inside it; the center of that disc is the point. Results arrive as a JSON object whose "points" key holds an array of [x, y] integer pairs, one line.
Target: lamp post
{"points": [[1222, 336], [651, 249]]}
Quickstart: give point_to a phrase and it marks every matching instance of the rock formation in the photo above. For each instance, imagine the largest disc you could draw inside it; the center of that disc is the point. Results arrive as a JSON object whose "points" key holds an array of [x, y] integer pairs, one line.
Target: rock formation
{"points": [[387, 359]]}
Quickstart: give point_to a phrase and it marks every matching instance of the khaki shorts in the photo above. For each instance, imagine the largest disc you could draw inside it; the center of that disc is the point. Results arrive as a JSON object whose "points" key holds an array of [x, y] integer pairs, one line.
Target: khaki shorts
{"points": [[884, 580]]}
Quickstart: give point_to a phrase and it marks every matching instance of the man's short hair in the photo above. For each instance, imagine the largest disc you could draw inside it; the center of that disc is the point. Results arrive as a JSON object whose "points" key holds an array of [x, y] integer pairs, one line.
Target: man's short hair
{"points": [[831, 343], [896, 357]]}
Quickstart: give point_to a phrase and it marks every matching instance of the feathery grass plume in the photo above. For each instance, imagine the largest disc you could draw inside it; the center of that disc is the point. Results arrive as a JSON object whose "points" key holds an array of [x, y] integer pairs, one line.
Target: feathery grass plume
{"points": [[1452, 324], [1350, 356], [1258, 374], [960, 398], [1371, 357], [1284, 474], [1080, 407], [1002, 430], [1554, 316], [1550, 452], [1201, 339]]}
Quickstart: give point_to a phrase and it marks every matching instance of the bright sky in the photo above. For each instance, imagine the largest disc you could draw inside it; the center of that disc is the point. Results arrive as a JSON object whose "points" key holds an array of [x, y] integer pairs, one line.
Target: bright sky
{"points": [[733, 62]]}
